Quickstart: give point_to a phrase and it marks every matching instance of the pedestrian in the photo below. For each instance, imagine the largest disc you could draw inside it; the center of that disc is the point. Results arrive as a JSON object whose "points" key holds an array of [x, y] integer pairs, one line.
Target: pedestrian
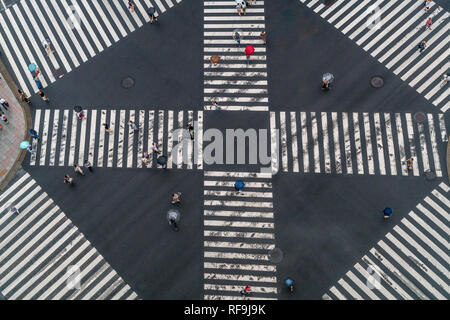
{"points": [[244, 7], [173, 223], [387, 212], [176, 197], [131, 5], [409, 163], [81, 115], [246, 291], [145, 161], [325, 85], [239, 8], [3, 117], [155, 148], [214, 103], [426, 5], [428, 23], [248, 59], [68, 179], [88, 165], [249, 3], [237, 38], [152, 16], [263, 36], [38, 82], [191, 130], [444, 79], [133, 125], [422, 45], [47, 47], [107, 129], [14, 210], [43, 96], [4, 103], [30, 149], [78, 169], [24, 97]]}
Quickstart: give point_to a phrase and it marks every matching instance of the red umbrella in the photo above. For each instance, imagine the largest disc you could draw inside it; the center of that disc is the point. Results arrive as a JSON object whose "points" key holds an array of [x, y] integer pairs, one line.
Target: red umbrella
{"points": [[249, 50]]}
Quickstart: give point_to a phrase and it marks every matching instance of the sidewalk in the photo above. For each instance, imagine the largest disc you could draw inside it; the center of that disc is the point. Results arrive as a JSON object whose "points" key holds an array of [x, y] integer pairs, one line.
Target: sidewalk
{"points": [[12, 134]]}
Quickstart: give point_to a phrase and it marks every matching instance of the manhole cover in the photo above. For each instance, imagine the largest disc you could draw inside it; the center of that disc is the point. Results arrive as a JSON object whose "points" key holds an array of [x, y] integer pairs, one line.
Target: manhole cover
{"points": [[430, 175], [419, 117], [377, 82], [329, 2], [127, 82], [275, 255]]}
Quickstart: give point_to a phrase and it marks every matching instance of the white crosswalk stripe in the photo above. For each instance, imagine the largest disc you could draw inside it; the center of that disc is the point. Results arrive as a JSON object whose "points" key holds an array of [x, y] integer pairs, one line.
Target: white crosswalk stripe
{"points": [[66, 140], [390, 31], [77, 29], [40, 244], [233, 84], [411, 262], [238, 236], [372, 143]]}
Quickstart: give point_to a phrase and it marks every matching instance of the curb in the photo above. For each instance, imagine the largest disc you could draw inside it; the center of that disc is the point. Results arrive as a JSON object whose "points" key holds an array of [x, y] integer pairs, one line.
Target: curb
{"points": [[26, 111]]}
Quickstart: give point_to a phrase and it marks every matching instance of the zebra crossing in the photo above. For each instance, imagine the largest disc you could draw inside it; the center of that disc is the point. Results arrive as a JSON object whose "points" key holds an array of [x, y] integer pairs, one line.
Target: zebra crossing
{"points": [[66, 140], [40, 246], [359, 143], [233, 84], [410, 263], [76, 29], [238, 235], [390, 32]]}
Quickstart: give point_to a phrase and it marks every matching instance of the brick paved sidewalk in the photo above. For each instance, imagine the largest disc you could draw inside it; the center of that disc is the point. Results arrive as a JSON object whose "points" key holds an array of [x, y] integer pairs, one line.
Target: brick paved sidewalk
{"points": [[13, 133]]}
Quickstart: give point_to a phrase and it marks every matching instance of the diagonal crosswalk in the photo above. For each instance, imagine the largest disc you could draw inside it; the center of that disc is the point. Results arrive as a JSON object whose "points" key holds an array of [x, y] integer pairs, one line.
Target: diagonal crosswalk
{"points": [[359, 143], [77, 30], [238, 235], [390, 32], [410, 263], [38, 247], [232, 83], [66, 140]]}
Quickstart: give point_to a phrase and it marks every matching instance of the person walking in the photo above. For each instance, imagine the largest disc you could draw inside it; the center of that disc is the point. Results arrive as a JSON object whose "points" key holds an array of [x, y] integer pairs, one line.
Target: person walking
{"points": [[107, 128], [30, 149], [176, 197], [387, 212], [4, 103], [173, 223], [409, 163], [250, 3], [88, 165], [68, 179], [151, 12], [78, 169], [444, 79], [263, 36], [237, 38], [426, 5], [325, 85], [244, 7], [191, 130], [239, 8], [47, 47], [131, 5], [246, 291], [155, 148], [43, 96], [422, 45], [428, 23], [3, 117], [81, 115], [24, 97], [132, 125], [14, 210], [38, 82]]}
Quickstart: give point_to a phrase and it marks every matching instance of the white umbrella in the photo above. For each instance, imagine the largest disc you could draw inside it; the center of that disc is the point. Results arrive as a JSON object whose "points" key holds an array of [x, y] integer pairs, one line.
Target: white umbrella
{"points": [[328, 77]]}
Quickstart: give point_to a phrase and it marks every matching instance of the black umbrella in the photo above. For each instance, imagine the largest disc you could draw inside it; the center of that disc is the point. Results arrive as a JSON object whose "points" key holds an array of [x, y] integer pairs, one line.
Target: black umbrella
{"points": [[162, 160], [78, 108], [151, 11]]}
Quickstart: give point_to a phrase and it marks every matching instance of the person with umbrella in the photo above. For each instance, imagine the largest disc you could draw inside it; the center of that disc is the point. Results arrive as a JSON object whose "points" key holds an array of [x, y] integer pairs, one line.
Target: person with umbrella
{"points": [[151, 13], [327, 79], [237, 38], [239, 185], [80, 113], [68, 179], [173, 216], [249, 50], [289, 284], [387, 212], [176, 197], [162, 160], [34, 134]]}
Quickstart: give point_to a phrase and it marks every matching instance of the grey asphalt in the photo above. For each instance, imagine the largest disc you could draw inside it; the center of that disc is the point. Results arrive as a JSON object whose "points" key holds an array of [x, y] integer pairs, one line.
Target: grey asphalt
{"points": [[324, 224]]}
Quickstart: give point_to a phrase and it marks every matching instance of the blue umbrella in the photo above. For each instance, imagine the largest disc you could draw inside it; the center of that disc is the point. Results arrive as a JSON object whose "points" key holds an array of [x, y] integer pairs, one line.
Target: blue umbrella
{"points": [[288, 282], [32, 67], [239, 185], [387, 211], [24, 144], [32, 131]]}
